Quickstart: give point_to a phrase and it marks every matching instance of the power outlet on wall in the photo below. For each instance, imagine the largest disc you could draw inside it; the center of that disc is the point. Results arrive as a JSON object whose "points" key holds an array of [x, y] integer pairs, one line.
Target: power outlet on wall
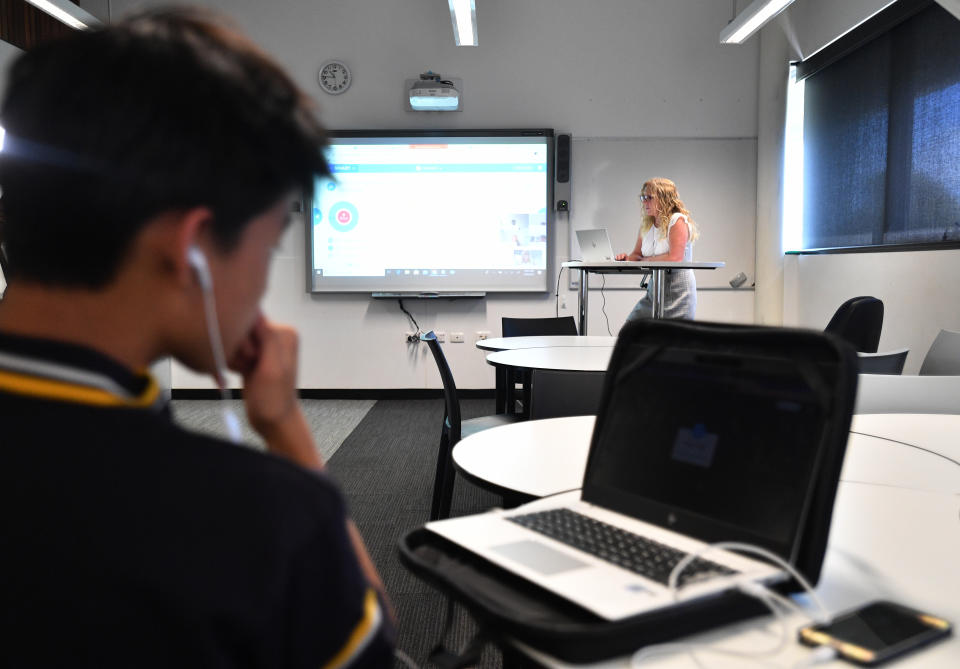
{"points": [[456, 337], [441, 335], [483, 334], [411, 337]]}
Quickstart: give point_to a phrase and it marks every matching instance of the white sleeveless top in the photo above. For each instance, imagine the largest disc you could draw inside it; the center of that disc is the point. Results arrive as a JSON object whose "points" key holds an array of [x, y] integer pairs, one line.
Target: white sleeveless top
{"points": [[654, 245]]}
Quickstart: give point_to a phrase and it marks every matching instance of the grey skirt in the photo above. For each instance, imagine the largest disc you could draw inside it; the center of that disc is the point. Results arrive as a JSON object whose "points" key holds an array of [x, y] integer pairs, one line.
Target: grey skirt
{"points": [[679, 297]]}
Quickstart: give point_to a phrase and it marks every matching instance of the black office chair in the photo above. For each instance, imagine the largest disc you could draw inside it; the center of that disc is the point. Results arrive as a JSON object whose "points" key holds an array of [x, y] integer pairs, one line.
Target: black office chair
{"points": [[529, 327], [858, 321], [557, 393], [888, 362], [452, 431]]}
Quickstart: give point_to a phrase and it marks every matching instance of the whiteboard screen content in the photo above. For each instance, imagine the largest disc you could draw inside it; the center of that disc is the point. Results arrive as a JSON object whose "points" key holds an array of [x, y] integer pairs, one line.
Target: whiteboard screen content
{"points": [[433, 212]]}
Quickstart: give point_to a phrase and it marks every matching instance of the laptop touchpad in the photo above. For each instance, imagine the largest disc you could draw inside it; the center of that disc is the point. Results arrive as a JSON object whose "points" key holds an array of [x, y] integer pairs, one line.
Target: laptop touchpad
{"points": [[538, 557]]}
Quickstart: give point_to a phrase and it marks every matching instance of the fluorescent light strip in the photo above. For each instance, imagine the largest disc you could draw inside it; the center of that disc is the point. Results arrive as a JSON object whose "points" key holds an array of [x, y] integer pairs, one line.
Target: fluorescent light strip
{"points": [[463, 13], [67, 12], [751, 19]]}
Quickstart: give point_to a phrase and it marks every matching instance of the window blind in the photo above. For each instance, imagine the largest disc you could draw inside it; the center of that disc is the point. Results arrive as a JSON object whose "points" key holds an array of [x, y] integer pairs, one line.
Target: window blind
{"points": [[882, 133]]}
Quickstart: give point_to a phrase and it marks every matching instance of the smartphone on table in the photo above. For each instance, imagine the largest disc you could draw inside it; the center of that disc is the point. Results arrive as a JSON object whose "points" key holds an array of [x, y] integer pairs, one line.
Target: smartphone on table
{"points": [[876, 632]]}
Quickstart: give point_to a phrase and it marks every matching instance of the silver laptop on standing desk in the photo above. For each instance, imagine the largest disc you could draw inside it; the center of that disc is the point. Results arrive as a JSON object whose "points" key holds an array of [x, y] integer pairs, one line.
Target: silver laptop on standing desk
{"points": [[594, 245], [683, 454]]}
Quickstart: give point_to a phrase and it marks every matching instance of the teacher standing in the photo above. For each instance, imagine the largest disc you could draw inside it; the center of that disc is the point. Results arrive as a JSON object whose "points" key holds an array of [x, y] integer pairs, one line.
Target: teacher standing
{"points": [[667, 234]]}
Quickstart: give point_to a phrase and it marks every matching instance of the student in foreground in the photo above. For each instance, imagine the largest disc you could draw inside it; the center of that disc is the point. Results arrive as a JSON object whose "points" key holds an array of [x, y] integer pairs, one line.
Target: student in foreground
{"points": [[148, 167]]}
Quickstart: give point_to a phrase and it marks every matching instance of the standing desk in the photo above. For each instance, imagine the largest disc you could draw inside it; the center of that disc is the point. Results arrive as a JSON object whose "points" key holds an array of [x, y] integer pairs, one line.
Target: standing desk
{"points": [[656, 270]]}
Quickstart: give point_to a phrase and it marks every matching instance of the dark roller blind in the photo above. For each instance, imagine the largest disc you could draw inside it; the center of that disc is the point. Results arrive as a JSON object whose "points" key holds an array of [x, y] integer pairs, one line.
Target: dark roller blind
{"points": [[882, 137]]}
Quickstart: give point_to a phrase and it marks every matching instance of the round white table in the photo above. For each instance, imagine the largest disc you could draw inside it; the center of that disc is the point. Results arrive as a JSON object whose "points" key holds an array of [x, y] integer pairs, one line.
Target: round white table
{"points": [[934, 432], [563, 358], [503, 393], [895, 531], [512, 343], [545, 457], [885, 543]]}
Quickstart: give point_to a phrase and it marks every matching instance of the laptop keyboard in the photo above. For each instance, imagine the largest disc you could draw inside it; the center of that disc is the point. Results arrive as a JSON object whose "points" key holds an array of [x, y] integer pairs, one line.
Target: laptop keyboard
{"points": [[631, 551]]}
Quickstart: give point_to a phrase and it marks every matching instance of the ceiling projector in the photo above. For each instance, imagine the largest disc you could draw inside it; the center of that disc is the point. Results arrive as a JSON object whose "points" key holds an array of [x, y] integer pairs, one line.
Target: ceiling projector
{"points": [[431, 93]]}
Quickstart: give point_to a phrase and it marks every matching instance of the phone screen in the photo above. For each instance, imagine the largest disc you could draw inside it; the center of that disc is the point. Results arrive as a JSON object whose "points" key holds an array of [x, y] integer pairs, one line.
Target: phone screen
{"points": [[882, 629]]}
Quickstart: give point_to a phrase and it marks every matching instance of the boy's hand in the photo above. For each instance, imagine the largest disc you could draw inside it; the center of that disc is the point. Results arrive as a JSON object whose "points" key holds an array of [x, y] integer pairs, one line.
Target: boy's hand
{"points": [[267, 359]]}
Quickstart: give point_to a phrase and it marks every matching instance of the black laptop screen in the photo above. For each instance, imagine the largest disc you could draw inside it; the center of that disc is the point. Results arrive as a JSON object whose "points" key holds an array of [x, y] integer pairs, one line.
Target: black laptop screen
{"points": [[714, 446]]}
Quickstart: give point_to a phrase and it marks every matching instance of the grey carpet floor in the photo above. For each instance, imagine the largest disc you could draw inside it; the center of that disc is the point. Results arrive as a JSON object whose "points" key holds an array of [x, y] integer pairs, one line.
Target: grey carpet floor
{"points": [[331, 421], [385, 469]]}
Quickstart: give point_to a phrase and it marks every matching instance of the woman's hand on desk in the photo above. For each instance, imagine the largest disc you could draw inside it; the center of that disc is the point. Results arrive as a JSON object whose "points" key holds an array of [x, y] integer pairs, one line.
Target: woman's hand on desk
{"points": [[627, 256]]}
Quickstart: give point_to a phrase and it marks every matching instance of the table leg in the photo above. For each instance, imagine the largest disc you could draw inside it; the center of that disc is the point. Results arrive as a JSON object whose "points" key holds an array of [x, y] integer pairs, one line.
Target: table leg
{"points": [[582, 302], [500, 392], [656, 292]]}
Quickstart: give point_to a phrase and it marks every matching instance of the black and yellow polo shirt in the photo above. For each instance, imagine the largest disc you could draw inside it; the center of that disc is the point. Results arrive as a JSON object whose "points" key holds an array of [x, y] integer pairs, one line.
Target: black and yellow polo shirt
{"points": [[126, 541]]}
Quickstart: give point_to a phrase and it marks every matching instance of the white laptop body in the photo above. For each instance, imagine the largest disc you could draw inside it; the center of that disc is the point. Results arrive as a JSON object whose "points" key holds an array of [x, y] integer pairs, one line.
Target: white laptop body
{"points": [[595, 584], [685, 452], [595, 245]]}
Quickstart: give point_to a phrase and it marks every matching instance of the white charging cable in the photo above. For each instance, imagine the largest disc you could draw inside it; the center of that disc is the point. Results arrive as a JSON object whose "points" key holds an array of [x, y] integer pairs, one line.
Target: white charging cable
{"points": [[770, 598], [199, 262]]}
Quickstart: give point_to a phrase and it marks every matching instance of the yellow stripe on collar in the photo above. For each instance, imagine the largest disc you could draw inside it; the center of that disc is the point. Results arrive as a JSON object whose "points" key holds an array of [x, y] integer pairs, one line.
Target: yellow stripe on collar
{"points": [[24, 384]]}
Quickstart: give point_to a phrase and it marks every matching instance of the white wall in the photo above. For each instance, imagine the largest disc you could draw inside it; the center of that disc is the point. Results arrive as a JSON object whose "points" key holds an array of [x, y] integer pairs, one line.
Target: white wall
{"points": [[608, 68], [812, 24], [8, 53], [920, 292]]}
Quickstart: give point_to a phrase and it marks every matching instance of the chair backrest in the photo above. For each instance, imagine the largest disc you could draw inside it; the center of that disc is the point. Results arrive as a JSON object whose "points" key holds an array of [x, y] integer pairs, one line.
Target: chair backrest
{"points": [[449, 387], [558, 393], [885, 393], [943, 358], [859, 321], [538, 327], [888, 362]]}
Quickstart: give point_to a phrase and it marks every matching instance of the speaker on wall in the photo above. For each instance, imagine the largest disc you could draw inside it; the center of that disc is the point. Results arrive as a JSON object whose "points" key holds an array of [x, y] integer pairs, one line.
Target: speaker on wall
{"points": [[563, 158]]}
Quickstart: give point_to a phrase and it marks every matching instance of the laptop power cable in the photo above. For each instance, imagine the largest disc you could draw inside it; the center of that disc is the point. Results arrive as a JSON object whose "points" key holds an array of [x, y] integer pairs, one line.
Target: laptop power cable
{"points": [[776, 602]]}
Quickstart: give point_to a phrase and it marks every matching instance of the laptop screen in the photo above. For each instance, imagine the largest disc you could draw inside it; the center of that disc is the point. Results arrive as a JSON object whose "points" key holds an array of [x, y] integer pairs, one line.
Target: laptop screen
{"points": [[720, 447]]}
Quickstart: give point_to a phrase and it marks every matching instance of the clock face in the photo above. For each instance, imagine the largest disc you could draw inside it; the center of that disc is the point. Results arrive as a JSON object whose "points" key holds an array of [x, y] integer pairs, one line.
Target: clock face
{"points": [[334, 77]]}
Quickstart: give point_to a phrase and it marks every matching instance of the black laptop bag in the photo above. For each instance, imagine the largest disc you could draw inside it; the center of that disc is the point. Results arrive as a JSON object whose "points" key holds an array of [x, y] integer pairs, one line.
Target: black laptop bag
{"points": [[509, 607]]}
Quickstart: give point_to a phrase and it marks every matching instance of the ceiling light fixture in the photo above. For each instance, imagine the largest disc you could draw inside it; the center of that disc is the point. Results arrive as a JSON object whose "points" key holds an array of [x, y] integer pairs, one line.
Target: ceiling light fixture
{"points": [[751, 19], [67, 12], [463, 13]]}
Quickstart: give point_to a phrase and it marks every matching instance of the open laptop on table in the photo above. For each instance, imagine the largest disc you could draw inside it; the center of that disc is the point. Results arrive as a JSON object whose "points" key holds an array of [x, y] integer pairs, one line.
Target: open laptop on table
{"points": [[595, 245], [691, 447]]}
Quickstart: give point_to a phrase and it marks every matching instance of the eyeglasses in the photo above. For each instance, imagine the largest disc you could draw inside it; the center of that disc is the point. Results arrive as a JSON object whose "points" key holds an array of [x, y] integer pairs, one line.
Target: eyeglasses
{"points": [[646, 198]]}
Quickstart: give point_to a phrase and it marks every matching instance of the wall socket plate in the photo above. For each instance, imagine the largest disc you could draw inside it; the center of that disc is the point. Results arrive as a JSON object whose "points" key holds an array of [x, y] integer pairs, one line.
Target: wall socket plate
{"points": [[483, 334], [441, 335], [456, 337]]}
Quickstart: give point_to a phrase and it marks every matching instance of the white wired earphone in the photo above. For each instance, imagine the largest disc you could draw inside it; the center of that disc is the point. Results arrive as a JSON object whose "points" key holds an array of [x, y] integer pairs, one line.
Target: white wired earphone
{"points": [[198, 262]]}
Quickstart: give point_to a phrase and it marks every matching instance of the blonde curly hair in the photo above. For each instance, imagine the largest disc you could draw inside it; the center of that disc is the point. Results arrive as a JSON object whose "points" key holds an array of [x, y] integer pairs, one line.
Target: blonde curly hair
{"points": [[668, 204]]}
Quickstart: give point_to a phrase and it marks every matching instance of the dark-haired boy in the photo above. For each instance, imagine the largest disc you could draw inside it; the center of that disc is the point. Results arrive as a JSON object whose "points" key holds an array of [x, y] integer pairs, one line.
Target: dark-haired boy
{"points": [[126, 540]]}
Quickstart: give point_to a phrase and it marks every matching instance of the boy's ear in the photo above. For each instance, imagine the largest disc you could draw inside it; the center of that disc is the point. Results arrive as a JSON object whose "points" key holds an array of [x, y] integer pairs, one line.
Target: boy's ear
{"points": [[171, 236]]}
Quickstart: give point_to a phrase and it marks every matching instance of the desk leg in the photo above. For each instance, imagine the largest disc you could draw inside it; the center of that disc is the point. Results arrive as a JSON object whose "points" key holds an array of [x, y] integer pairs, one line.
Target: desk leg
{"points": [[500, 394], [582, 302], [656, 292]]}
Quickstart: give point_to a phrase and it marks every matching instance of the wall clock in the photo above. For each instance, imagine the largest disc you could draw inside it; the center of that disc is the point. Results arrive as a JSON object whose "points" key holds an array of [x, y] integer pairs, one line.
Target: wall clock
{"points": [[334, 77]]}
